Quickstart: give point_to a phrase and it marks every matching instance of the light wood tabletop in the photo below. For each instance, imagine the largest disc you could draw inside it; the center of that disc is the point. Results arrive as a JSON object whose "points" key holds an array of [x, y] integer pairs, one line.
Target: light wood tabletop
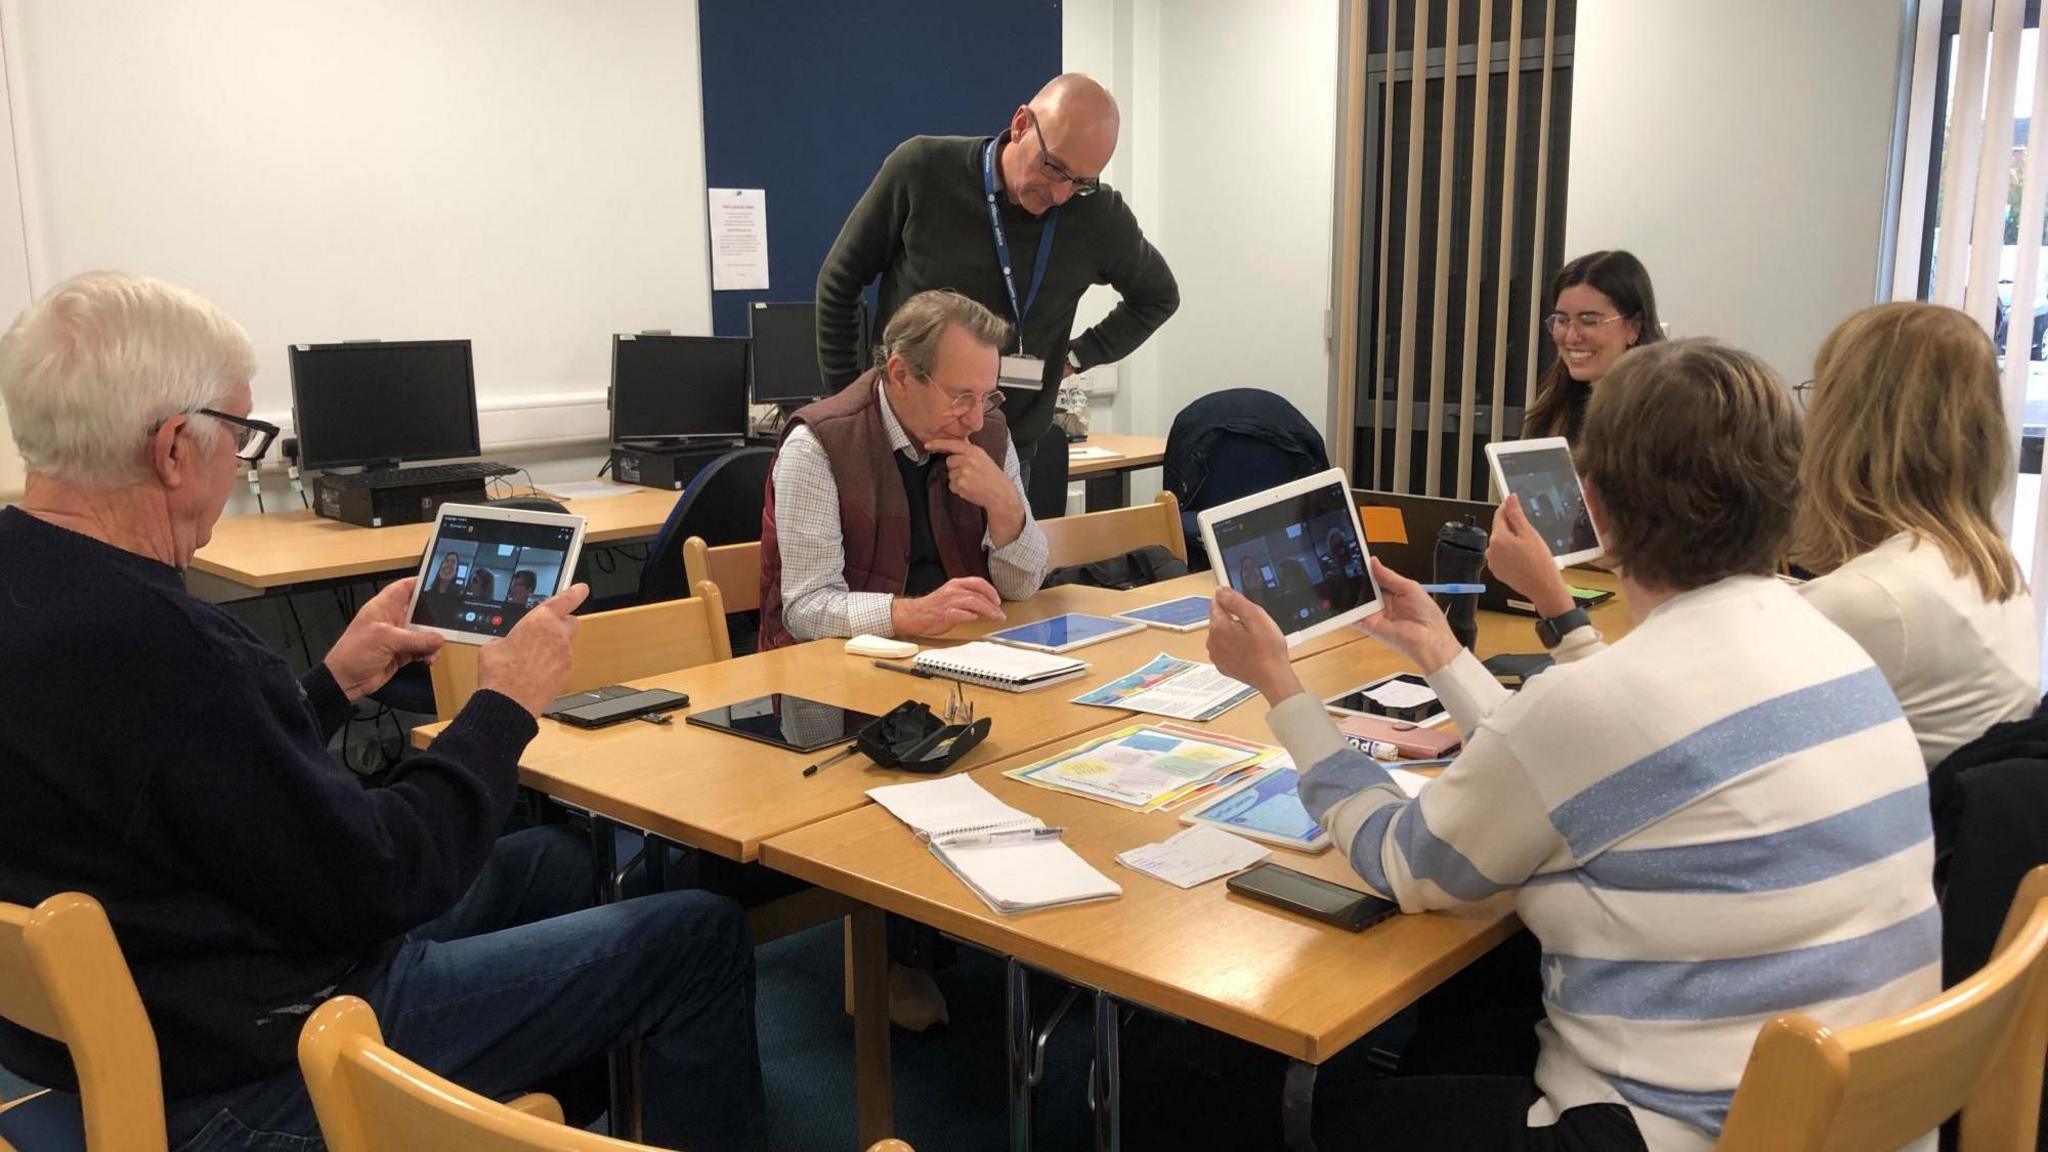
{"points": [[1131, 452], [1290, 984], [281, 549], [727, 795]]}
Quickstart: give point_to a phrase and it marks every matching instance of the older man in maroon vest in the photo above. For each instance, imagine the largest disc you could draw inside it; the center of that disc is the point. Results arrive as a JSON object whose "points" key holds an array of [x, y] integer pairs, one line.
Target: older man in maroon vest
{"points": [[895, 508]]}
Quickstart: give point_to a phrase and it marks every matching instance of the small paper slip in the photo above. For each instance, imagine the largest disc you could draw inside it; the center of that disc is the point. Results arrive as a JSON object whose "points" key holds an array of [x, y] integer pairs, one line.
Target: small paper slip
{"points": [[1170, 686], [1401, 694], [1091, 452], [590, 489], [1195, 856], [1410, 782], [999, 666]]}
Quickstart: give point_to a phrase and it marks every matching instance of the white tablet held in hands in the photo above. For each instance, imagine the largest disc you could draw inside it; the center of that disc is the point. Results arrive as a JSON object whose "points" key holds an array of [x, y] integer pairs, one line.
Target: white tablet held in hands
{"points": [[1297, 551], [1540, 472], [484, 568]]}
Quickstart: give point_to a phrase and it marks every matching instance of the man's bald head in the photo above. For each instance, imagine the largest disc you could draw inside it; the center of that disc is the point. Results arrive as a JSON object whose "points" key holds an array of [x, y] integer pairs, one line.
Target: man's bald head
{"points": [[1066, 133]]}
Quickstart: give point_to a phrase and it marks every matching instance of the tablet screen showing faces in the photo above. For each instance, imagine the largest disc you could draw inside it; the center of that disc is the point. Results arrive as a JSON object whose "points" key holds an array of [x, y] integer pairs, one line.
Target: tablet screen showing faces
{"points": [[1540, 473], [1296, 552], [484, 572]]}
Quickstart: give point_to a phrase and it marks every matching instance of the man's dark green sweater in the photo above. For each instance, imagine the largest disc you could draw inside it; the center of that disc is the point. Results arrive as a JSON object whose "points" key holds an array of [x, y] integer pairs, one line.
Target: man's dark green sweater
{"points": [[924, 224]]}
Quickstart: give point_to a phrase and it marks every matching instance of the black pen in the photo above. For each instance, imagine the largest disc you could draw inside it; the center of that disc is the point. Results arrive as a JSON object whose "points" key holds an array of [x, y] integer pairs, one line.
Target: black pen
{"points": [[906, 669], [835, 758]]}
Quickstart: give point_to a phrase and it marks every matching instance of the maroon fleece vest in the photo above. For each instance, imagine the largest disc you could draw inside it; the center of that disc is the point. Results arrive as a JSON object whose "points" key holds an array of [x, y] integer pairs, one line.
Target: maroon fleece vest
{"points": [[874, 509]]}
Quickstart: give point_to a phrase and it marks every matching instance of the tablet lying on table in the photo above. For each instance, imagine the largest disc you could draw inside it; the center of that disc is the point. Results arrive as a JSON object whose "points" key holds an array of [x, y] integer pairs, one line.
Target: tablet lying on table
{"points": [[1066, 632], [485, 568], [1183, 615], [1296, 551], [785, 721], [1265, 808], [1540, 473]]}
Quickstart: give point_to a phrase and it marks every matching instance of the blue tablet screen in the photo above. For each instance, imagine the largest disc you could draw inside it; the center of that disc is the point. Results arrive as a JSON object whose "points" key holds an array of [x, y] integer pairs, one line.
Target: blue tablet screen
{"points": [[1177, 613], [1060, 631], [1269, 805]]}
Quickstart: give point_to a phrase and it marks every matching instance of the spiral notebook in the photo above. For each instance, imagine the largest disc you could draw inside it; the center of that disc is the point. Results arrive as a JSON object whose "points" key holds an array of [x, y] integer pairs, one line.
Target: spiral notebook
{"points": [[1010, 877], [999, 666]]}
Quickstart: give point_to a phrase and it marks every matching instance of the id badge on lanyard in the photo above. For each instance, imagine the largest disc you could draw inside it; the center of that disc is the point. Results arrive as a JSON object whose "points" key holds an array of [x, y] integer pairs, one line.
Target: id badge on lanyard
{"points": [[1018, 370]]}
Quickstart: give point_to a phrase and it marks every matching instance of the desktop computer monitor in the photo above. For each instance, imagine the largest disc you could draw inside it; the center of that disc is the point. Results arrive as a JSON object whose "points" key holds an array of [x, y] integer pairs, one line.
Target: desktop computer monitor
{"points": [[380, 402], [678, 387], [784, 337]]}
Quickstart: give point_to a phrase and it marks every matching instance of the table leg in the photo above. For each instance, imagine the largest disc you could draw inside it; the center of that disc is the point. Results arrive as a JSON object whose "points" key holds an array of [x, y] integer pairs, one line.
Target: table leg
{"points": [[623, 1063], [1297, 1107], [1106, 1078], [1017, 1031], [871, 1025]]}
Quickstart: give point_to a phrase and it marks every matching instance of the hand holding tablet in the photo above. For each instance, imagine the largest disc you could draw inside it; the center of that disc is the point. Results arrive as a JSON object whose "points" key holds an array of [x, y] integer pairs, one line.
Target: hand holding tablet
{"points": [[1539, 472], [485, 568], [1298, 552]]}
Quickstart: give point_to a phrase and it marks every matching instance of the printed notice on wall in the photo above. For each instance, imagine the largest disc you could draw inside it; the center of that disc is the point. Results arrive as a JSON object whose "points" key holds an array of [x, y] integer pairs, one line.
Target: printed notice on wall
{"points": [[739, 239]]}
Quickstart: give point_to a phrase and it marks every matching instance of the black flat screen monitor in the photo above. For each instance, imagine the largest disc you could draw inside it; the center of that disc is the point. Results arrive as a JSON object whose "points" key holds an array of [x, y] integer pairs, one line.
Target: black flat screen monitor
{"points": [[784, 337], [377, 402], [674, 387]]}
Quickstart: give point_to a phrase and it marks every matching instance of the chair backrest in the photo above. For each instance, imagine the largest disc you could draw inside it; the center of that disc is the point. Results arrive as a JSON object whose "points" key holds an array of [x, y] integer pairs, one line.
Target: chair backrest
{"points": [[627, 644], [735, 568], [1101, 535], [62, 975], [370, 1099], [722, 504], [1977, 1048]]}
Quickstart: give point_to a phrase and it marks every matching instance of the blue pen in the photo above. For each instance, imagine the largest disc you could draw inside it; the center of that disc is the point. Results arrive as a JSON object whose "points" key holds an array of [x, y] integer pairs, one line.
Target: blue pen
{"points": [[1453, 589]]}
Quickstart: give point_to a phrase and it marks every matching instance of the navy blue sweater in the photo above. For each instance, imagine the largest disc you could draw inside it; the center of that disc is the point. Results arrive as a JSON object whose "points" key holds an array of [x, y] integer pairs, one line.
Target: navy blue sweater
{"points": [[157, 757]]}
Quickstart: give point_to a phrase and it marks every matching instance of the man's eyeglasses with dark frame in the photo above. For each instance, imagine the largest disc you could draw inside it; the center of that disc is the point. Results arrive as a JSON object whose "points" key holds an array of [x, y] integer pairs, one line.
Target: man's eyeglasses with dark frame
{"points": [[1083, 185], [252, 437]]}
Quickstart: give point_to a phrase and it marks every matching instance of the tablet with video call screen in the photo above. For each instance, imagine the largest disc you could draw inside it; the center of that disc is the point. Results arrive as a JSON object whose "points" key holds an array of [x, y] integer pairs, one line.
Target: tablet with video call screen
{"points": [[1296, 551], [1540, 473], [485, 568]]}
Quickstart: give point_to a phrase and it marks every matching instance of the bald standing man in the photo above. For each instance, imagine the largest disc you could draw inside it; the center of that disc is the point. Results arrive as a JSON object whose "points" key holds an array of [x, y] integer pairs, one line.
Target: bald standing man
{"points": [[956, 211]]}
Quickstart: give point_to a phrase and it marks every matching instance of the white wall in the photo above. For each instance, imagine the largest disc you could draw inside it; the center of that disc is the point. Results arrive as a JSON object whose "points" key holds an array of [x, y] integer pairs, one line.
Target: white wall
{"points": [[1739, 148], [524, 173], [1228, 156]]}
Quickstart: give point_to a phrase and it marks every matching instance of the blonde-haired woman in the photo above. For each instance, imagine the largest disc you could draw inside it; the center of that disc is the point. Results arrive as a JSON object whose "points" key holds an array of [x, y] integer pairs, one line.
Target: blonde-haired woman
{"points": [[1905, 451]]}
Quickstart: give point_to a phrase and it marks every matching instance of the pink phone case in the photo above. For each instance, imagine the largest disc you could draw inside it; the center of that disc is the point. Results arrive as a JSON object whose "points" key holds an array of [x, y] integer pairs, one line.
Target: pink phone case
{"points": [[1414, 741]]}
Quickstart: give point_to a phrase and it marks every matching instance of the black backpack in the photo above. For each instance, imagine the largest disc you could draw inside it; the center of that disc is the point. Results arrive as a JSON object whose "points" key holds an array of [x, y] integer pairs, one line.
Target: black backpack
{"points": [[1147, 565]]}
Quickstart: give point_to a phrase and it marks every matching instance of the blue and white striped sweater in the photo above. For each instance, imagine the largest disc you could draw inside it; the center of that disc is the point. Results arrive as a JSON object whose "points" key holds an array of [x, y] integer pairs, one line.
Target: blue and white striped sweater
{"points": [[1721, 818]]}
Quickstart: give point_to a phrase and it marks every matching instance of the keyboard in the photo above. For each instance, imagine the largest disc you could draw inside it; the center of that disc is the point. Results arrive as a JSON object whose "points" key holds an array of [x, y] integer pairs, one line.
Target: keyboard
{"points": [[430, 474]]}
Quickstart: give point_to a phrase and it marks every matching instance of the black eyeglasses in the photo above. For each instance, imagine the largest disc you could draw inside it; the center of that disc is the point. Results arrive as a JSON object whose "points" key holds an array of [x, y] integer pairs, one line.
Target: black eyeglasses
{"points": [[1802, 394], [1083, 185], [252, 437]]}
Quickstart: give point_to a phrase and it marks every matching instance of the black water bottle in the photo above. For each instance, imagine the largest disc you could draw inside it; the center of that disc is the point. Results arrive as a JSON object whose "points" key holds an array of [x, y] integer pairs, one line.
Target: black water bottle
{"points": [[1460, 554]]}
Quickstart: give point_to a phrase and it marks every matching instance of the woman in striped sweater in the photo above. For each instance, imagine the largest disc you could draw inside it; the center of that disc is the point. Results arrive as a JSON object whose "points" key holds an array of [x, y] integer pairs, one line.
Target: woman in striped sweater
{"points": [[1719, 818]]}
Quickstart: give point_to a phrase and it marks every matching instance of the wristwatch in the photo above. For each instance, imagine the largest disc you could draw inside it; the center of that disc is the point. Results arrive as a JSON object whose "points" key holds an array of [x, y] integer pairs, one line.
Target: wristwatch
{"points": [[1553, 629], [1074, 358]]}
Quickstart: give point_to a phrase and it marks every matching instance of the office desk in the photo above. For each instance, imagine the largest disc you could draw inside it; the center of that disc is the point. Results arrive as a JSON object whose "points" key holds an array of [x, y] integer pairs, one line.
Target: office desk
{"points": [[254, 555], [1109, 481], [1292, 985]]}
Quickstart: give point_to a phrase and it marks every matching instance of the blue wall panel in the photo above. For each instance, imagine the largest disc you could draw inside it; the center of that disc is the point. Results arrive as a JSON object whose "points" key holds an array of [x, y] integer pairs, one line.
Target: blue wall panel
{"points": [[805, 98]]}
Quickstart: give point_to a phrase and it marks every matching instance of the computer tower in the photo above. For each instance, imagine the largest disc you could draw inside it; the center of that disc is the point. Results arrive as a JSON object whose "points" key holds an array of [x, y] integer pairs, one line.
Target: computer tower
{"points": [[400, 504], [669, 468]]}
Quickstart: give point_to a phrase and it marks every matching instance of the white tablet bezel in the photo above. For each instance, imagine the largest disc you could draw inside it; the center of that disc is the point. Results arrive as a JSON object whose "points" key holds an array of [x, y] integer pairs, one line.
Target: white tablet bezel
{"points": [[1546, 444], [1128, 628], [1334, 478], [486, 512], [1197, 626], [1319, 844]]}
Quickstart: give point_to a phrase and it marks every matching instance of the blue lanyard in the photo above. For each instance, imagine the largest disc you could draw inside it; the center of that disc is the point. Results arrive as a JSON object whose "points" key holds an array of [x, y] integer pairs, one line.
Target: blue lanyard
{"points": [[995, 223]]}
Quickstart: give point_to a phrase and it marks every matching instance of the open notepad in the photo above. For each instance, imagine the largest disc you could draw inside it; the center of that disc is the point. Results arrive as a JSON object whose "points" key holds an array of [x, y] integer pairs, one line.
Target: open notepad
{"points": [[999, 666], [1009, 875]]}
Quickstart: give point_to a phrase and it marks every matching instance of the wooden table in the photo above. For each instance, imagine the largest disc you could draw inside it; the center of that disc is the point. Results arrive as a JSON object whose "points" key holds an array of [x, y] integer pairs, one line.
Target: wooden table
{"points": [[279, 551], [1295, 986], [1109, 481]]}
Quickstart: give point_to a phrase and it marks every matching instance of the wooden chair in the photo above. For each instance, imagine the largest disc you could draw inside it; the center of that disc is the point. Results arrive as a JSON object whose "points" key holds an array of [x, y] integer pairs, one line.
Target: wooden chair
{"points": [[1100, 535], [735, 568], [627, 644], [369, 1098], [1977, 1048], [62, 975]]}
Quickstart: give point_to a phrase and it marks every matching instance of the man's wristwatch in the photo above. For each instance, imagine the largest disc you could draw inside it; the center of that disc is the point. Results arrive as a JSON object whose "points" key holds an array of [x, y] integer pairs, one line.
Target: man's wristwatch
{"points": [[1553, 629]]}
